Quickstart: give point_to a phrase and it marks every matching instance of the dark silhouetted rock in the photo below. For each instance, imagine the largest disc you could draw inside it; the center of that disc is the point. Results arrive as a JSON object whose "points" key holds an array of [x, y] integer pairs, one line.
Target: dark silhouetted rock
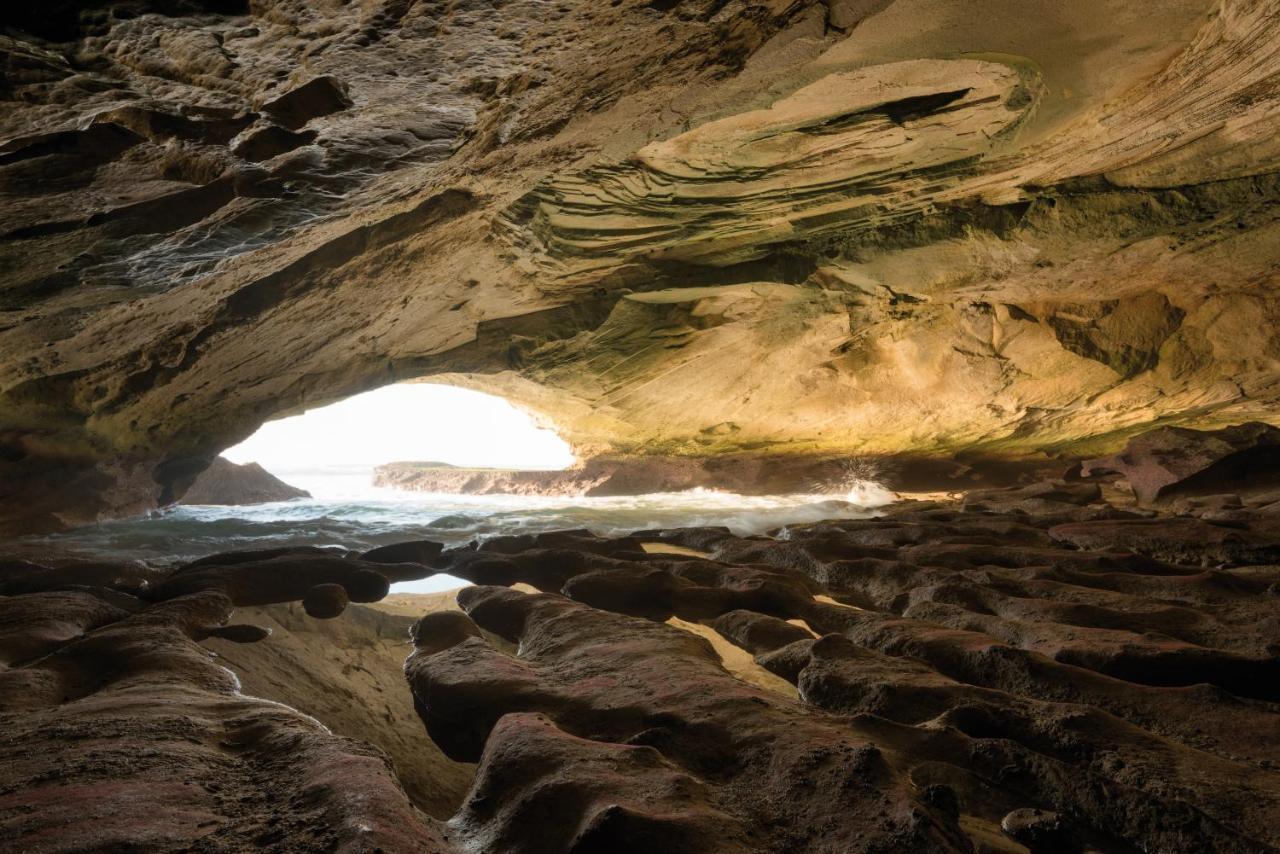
{"points": [[422, 552], [285, 577], [225, 482], [325, 601]]}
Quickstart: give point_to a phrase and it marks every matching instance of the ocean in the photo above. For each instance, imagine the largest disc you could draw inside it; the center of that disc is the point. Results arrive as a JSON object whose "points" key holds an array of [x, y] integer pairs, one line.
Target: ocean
{"points": [[346, 511]]}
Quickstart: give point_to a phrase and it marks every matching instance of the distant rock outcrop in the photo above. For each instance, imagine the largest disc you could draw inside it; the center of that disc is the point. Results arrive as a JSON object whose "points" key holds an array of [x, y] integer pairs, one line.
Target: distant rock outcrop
{"points": [[745, 474], [225, 482]]}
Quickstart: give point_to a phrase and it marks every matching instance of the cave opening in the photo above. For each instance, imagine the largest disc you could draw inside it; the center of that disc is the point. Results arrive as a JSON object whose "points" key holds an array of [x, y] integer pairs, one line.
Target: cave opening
{"points": [[335, 451]]}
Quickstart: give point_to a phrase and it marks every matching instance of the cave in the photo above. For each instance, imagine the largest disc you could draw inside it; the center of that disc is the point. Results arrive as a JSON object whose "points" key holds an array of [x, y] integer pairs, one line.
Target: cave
{"points": [[906, 374]]}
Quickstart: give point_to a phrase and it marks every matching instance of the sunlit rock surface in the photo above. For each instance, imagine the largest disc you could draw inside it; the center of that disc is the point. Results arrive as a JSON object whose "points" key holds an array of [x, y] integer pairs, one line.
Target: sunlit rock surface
{"points": [[683, 228]]}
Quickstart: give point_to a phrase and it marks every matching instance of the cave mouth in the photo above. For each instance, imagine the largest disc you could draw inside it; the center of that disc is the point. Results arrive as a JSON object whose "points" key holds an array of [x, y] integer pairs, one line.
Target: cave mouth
{"points": [[333, 451], [428, 461]]}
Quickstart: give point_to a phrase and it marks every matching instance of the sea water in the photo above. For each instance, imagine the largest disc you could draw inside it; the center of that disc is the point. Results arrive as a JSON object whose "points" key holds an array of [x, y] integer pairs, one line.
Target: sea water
{"points": [[347, 511]]}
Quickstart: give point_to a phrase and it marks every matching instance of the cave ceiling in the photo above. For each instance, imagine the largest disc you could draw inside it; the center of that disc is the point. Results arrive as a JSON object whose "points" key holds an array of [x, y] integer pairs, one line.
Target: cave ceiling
{"points": [[667, 227]]}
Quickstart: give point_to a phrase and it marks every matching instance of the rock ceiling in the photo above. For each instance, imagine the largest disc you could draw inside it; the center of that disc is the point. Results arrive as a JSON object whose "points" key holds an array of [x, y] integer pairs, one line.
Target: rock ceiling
{"points": [[669, 227]]}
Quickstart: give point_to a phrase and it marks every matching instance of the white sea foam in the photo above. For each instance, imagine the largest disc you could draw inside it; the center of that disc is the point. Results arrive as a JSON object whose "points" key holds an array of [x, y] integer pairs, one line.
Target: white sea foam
{"points": [[347, 512]]}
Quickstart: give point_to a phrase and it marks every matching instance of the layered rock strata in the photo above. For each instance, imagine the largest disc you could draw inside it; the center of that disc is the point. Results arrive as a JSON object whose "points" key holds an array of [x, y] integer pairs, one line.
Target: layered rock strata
{"points": [[668, 228]]}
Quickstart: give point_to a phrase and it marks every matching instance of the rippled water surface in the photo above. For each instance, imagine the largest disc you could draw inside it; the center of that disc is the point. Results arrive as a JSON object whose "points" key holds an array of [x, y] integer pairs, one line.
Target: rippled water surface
{"points": [[347, 512]]}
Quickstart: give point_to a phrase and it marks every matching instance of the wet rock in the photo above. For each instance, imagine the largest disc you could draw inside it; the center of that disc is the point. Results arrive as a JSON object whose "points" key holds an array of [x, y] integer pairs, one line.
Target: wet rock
{"points": [[452, 522]]}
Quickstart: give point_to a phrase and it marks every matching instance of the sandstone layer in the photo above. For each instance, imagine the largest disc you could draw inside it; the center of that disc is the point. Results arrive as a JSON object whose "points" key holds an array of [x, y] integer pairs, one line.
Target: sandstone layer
{"points": [[754, 226], [1029, 670]]}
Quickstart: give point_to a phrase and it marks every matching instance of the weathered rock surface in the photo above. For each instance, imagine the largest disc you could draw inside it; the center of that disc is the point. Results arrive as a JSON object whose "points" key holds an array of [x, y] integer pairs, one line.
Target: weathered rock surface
{"points": [[983, 677], [121, 733], [225, 482], [348, 673], [670, 229], [1028, 669], [1173, 462]]}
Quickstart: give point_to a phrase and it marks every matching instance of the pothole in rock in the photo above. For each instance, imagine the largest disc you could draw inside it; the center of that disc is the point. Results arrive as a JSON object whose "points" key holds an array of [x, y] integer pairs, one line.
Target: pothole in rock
{"points": [[736, 660], [348, 674]]}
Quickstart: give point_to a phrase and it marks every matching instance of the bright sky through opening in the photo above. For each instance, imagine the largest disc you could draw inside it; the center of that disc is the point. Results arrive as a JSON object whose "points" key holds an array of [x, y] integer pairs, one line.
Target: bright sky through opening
{"points": [[415, 421]]}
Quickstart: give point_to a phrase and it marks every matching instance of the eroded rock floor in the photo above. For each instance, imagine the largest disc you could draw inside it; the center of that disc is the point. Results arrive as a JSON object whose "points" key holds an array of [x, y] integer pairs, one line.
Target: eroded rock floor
{"points": [[1031, 669]]}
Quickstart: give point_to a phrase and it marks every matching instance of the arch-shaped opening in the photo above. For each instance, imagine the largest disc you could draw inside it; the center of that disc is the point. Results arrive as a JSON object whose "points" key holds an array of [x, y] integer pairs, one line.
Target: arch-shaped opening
{"points": [[332, 451]]}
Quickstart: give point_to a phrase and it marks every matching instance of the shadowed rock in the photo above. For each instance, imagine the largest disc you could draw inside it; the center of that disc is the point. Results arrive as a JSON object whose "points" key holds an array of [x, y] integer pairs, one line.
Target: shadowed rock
{"points": [[325, 601], [319, 96], [286, 577], [768, 764], [979, 678], [225, 482], [1172, 461], [1180, 540], [422, 552], [128, 736]]}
